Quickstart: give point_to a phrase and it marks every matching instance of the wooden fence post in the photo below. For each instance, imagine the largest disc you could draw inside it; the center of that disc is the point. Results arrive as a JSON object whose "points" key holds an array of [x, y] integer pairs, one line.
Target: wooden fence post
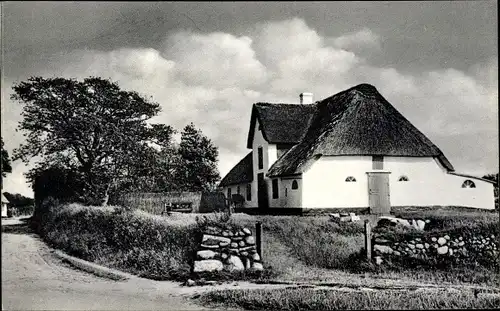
{"points": [[258, 237], [368, 239]]}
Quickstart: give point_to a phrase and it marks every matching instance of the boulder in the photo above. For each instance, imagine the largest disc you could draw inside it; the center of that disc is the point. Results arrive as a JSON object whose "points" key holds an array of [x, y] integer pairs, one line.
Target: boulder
{"points": [[208, 238], [378, 260], [247, 231], [241, 244], [250, 240], [441, 241], [433, 239], [257, 266], [419, 246], [210, 246], [223, 244], [256, 257], [244, 254], [190, 282], [442, 250], [420, 224], [207, 265], [206, 254], [235, 264], [384, 249], [388, 220], [234, 245], [355, 217]]}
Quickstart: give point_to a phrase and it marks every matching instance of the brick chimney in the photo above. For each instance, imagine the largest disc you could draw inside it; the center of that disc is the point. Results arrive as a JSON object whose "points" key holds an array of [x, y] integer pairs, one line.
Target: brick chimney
{"points": [[306, 98]]}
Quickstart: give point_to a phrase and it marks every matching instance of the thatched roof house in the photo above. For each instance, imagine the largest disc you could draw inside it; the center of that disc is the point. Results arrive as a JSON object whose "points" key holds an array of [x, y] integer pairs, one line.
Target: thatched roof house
{"points": [[350, 150], [358, 121]]}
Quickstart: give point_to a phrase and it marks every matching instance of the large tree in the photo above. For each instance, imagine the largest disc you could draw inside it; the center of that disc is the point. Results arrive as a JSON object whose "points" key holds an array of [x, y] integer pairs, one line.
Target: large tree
{"points": [[197, 168], [6, 166], [91, 127]]}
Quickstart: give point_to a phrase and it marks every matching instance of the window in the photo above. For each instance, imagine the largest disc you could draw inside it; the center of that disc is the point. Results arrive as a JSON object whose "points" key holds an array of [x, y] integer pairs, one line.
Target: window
{"points": [[249, 192], [238, 190], [229, 193], [295, 185], [261, 158], [350, 179], [378, 162], [468, 184], [275, 189], [403, 178], [286, 192]]}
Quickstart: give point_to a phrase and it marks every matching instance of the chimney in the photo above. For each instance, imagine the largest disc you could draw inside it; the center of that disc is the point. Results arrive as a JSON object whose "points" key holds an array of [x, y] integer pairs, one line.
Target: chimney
{"points": [[306, 98]]}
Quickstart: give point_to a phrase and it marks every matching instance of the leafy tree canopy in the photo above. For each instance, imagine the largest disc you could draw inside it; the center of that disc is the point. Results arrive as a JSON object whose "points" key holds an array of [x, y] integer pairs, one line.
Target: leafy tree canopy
{"points": [[6, 166], [91, 127]]}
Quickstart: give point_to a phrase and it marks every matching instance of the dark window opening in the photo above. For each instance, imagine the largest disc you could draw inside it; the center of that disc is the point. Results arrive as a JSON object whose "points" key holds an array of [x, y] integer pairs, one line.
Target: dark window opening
{"points": [[261, 158], [378, 162], [275, 189], [295, 185], [238, 190], [229, 193], [403, 178], [249, 192], [350, 179]]}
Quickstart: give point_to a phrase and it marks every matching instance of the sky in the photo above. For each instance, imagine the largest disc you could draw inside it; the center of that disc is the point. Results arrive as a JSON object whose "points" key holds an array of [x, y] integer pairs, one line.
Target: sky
{"points": [[208, 62]]}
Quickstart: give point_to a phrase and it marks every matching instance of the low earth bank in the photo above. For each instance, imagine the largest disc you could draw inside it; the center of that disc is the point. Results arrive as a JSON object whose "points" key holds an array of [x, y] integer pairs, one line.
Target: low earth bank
{"points": [[293, 248]]}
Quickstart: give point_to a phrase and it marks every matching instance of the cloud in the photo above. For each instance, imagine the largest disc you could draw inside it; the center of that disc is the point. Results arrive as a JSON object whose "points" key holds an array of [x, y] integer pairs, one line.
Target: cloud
{"points": [[364, 38], [215, 60], [213, 79]]}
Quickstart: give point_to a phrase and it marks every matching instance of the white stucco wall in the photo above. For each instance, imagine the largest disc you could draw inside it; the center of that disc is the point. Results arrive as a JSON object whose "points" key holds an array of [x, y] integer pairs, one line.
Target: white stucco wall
{"points": [[324, 184], [270, 155], [4, 209]]}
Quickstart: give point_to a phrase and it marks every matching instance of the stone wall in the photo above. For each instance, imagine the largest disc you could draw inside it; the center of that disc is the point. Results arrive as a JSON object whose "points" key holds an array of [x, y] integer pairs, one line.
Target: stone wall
{"points": [[227, 249], [431, 247]]}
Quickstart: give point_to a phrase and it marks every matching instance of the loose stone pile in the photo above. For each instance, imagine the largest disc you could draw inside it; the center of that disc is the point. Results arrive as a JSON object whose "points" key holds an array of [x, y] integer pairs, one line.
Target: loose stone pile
{"points": [[227, 249], [435, 247]]}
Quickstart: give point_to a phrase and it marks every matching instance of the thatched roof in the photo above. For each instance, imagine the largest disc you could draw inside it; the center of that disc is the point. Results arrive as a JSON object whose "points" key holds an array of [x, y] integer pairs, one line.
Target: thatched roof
{"points": [[240, 173], [281, 123], [473, 177], [358, 121]]}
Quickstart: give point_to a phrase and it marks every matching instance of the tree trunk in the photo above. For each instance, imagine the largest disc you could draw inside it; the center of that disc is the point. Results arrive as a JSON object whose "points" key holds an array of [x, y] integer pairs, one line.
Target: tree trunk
{"points": [[105, 198]]}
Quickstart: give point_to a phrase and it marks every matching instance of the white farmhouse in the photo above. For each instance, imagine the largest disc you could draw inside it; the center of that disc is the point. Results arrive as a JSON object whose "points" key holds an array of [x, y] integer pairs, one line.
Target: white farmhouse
{"points": [[350, 150]]}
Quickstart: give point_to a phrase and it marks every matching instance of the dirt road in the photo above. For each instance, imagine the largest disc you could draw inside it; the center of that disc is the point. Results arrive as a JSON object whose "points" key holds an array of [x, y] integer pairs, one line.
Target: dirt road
{"points": [[34, 279]]}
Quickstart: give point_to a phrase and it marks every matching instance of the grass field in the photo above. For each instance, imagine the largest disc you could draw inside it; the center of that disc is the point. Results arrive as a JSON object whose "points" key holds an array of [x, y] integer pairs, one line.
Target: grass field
{"points": [[310, 299]]}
